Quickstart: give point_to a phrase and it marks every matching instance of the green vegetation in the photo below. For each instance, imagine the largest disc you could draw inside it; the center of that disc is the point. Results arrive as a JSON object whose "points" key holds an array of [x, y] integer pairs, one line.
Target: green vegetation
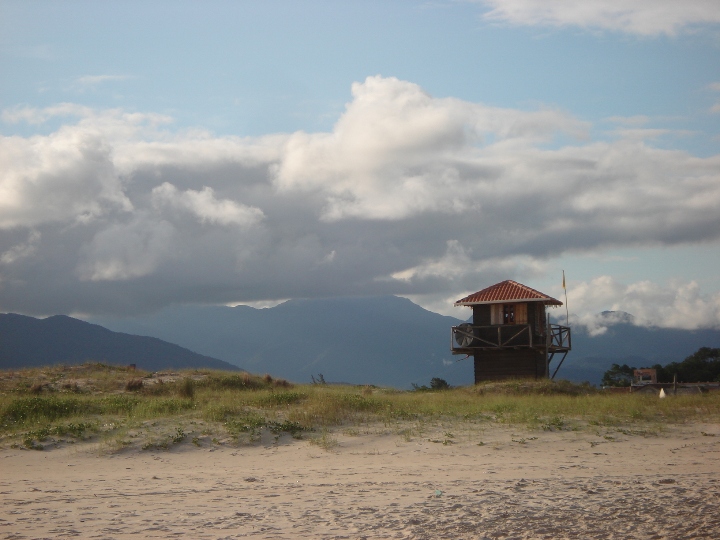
{"points": [[435, 384], [41, 408], [618, 375], [701, 366]]}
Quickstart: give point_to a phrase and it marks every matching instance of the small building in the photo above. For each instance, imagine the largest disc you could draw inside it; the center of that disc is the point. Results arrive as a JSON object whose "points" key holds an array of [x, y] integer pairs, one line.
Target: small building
{"points": [[644, 376], [510, 335]]}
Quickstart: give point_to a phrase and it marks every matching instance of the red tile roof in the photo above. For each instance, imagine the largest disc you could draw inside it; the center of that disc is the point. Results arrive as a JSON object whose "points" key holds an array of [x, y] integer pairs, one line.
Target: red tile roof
{"points": [[507, 291]]}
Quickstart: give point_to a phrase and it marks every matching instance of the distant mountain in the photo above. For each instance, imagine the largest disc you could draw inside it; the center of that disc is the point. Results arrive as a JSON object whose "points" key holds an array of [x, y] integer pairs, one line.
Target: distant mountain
{"points": [[380, 340], [29, 342], [617, 317], [383, 340]]}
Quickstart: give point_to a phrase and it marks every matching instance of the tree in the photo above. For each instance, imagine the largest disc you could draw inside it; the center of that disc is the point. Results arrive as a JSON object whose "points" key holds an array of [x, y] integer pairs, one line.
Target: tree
{"points": [[618, 375], [439, 384], [436, 383], [701, 366]]}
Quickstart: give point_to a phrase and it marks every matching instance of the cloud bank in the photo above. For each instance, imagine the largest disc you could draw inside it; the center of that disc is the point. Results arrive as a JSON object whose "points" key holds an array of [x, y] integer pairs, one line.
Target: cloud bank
{"points": [[639, 17], [673, 305], [117, 212]]}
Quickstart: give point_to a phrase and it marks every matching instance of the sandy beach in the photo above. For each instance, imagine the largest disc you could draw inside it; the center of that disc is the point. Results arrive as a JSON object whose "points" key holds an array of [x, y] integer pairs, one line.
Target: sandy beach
{"points": [[498, 482]]}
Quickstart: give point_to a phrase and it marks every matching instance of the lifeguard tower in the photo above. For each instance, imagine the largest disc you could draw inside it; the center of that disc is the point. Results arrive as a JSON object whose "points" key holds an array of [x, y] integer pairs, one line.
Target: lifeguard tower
{"points": [[510, 335]]}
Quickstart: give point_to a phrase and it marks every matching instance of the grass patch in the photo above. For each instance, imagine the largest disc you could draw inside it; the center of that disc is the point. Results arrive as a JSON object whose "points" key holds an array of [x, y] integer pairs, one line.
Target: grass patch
{"points": [[278, 399], [325, 441], [33, 409], [253, 424], [164, 409]]}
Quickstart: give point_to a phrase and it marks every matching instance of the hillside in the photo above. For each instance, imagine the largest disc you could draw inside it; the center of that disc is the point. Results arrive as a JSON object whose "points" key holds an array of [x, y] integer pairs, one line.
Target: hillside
{"points": [[381, 340], [27, 342]]}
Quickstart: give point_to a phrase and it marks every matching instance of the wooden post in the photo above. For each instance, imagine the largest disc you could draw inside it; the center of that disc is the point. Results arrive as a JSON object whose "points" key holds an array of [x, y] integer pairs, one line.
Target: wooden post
{"points": [[547, 338]]}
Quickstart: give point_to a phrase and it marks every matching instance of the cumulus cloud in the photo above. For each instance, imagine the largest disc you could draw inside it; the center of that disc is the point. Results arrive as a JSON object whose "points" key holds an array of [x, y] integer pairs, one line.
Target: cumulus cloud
{"points": [[458, 264], [397, 151], [671, 305], [205, 206], [67, 176], [407, 194], [641, 17]]}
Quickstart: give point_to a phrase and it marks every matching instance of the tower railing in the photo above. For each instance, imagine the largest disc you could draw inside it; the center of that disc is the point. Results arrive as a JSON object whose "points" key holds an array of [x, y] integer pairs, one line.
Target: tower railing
{"points": [[559, 338], [467, 338]]}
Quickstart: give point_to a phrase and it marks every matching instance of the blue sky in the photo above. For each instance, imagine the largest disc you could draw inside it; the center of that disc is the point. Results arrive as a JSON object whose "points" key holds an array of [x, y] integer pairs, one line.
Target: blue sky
{"points": [[169, 152]]}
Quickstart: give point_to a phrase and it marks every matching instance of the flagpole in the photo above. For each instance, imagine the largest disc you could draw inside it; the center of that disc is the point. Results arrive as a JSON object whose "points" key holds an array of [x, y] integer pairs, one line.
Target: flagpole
{"points": [[567, 311]]}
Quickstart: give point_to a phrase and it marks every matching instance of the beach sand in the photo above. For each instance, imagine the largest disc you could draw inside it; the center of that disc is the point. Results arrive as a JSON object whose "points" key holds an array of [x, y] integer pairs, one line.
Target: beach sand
{"points": [[376, 484]]}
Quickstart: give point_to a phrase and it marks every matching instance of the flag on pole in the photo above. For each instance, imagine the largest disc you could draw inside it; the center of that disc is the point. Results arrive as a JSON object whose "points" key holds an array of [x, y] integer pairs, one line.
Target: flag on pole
{"points": [[563, 279]]}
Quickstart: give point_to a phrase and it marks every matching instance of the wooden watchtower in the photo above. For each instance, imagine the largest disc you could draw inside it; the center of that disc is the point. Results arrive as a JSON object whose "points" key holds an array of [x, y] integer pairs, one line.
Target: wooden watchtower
{"points": [[510, 335]]}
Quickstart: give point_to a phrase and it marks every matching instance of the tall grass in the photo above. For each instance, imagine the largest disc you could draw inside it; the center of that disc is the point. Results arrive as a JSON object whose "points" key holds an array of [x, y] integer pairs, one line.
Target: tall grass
{"points": [[235, 405]]}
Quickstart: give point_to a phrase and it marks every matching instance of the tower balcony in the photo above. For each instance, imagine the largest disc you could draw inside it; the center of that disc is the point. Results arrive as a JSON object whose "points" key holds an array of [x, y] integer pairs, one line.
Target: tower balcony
{"points": [[468, 339]]}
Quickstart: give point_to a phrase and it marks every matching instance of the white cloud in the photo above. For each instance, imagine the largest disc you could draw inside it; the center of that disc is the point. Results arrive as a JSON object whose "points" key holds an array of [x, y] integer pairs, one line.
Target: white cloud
{"points": [[93, 80], [205, 206], [458, 263], [641, 17], [454, 262], [193, 149], [673, 305], [643, 133], [67, 176], [33, 115], [397, 151], [112, 123], [636, 121]]}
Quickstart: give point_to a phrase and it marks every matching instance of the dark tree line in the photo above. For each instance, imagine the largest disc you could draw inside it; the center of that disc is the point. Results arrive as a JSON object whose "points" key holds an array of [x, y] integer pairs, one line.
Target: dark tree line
{"points": [[701, 366]]}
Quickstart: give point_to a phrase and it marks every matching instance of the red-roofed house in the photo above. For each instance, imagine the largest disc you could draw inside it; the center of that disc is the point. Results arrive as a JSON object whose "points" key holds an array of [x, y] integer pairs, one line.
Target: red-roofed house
{"points": [[510, 336]]}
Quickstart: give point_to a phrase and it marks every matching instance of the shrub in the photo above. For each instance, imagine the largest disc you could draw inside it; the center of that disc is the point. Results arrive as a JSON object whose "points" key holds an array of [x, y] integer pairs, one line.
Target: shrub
{"points": [[187, 388], [72, 387], [133, 385]]}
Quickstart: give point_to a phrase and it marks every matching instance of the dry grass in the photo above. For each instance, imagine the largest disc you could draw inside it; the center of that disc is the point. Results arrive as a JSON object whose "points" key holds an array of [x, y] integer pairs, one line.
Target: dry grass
{"points": [[41, 407]]}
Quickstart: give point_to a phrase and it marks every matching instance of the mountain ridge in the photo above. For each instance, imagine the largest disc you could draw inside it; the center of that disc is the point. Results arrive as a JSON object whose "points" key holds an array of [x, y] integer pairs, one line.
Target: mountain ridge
{"points": [[59, 339], [384, 340], [387, 341]]}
